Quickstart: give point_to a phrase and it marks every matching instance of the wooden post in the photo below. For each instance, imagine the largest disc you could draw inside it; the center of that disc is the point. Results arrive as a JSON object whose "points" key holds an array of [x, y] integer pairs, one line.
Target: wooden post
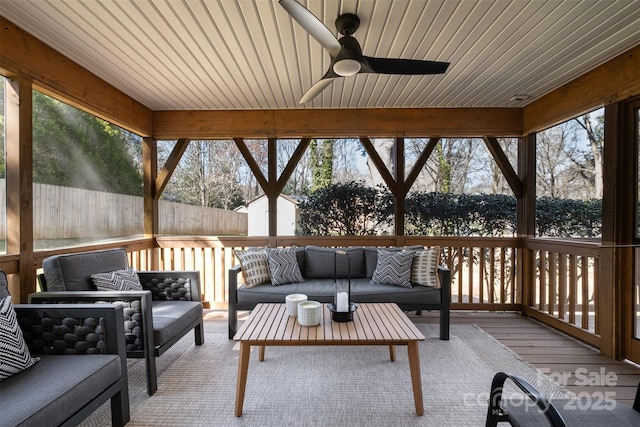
{"points": [[618, 220], [526, 216], [19, 171], [150, 201]]}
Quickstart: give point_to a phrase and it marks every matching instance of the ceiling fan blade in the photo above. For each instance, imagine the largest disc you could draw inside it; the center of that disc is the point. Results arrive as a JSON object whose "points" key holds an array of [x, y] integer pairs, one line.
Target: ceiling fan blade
{"points": [[404, 66], [316, 89], [313, 25]]}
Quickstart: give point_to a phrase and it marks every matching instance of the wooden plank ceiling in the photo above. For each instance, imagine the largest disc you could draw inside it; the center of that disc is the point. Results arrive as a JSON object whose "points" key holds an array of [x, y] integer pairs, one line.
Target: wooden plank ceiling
{"points": [[250, 54]]}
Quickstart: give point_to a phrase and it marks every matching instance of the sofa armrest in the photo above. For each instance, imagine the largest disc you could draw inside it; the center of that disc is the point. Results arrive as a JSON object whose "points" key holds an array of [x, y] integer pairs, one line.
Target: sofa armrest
{"points": [[54, 323], [445, 284], [172, 285], [234, 273], [137, 308], [232, 309]]}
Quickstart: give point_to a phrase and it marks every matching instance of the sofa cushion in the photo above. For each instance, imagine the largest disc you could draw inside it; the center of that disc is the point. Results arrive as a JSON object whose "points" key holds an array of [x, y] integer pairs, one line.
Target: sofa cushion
{"points": [[119, 280], [283, 266], [34, 396], [425, 267], [72, 272], [255, 266], [171, 317], [322, 290], [394, 268], [322, 263], [14, 355]]}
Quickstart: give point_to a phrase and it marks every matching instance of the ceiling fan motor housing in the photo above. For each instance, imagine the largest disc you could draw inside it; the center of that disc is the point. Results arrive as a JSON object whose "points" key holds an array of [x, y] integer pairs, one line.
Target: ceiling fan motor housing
{"points": [[347, 24]]}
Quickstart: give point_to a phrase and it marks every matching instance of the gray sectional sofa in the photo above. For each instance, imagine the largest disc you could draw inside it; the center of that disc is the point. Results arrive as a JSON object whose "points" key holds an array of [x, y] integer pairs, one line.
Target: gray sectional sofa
{"points": [[317, 267], [82, 365]]}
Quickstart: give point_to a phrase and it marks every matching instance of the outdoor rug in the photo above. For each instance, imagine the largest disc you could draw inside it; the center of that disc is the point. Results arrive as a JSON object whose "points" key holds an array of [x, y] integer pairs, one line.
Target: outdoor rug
{"points": [[324, 386]]}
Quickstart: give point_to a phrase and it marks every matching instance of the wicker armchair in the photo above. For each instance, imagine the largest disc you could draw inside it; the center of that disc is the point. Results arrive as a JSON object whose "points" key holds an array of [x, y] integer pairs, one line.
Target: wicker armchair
{"points": [[154, 319]]}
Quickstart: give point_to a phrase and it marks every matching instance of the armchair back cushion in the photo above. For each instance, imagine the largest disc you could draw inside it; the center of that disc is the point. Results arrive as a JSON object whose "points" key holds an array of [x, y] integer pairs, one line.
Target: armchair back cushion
{"points": [[72, 272]]}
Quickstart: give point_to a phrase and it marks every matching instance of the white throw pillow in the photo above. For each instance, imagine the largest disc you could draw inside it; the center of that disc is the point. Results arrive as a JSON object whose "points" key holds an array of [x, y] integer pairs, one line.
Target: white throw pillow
{"points": [[425, 267], [255, 266], [15, 356], [119, 280]]}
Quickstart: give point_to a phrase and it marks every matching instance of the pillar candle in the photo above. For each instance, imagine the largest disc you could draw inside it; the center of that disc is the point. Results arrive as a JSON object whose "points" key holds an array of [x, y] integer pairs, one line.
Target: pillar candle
{"points": [[343, 301]]}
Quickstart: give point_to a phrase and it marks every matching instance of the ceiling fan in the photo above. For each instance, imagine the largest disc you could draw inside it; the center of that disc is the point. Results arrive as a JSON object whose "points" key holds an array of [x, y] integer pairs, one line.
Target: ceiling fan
{"points": [[346, 55]]}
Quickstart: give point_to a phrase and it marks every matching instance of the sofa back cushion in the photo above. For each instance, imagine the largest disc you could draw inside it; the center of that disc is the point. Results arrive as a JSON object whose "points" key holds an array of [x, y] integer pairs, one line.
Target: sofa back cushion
{"points": [[72, 272], [319, 263]]}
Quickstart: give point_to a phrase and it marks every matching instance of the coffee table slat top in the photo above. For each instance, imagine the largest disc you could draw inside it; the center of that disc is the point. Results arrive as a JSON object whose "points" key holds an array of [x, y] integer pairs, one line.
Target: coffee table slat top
{"points": [[381, 323]]}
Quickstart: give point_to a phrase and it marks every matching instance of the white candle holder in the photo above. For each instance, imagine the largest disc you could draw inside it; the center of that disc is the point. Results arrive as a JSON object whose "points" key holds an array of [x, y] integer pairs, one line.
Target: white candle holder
{"points": [[292, 301], [309, 313]]}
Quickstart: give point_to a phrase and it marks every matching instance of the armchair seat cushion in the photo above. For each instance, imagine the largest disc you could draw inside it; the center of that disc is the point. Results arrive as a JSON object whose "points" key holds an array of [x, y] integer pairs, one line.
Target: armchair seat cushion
{"points": [[56, 381], [171, 317]]}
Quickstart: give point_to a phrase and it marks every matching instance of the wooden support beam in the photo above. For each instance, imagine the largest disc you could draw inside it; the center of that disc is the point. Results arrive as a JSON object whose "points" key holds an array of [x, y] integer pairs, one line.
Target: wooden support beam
{"points": [[338, 123], [62, 78], [613, 81], [292, 163], [379, 164], [149, 177], [19, 182], [401, 190], [505, 166], [253, 165], [272, 190], [526, 217], [169, 167], [420, 162]]}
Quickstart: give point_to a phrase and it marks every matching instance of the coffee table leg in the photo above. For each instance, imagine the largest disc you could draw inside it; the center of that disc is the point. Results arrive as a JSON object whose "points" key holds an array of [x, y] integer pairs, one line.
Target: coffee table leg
{"points": [[243, 367], [261, 353], [416, 379], [392, 353]]}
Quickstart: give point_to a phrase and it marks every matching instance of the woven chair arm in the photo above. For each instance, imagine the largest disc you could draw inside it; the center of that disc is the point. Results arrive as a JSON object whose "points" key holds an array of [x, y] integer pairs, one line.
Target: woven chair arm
{"points": [[172, 285], [72, 328], [136, 306]]}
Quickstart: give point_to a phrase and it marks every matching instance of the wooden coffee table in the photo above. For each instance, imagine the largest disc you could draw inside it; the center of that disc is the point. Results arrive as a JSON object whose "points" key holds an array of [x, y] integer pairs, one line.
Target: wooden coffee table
{"points": [[373, 324]]}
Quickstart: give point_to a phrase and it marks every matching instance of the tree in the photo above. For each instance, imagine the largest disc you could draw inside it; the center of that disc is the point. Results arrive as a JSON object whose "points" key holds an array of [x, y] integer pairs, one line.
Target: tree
{"points": [[321, 159], [74, 149], [591, 166], [206, 176]]}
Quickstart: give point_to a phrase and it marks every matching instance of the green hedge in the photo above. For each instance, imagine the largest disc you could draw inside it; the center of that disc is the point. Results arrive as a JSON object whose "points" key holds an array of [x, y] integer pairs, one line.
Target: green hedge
{"points": [[353, 209]]}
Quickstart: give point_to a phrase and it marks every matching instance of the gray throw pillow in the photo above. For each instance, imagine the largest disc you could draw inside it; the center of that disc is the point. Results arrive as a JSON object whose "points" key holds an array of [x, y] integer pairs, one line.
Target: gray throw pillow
{"points": [[283, 266], [393, 268]]}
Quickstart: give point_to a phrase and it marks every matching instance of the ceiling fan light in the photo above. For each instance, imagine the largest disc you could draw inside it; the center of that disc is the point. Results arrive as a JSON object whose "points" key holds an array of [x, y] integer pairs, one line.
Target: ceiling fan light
{"points": [[346, 67]]}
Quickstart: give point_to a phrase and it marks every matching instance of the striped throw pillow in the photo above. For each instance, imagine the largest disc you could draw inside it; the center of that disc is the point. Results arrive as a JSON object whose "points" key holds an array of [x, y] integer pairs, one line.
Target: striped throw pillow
{"points": [[393, 268], [425, 267], [283, 266], [255, 267], [119, 280], [15, 356]]}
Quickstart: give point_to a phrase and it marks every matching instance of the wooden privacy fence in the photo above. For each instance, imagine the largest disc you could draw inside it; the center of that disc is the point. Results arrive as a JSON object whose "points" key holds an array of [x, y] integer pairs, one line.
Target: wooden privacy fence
{"points": [[74, 213]]}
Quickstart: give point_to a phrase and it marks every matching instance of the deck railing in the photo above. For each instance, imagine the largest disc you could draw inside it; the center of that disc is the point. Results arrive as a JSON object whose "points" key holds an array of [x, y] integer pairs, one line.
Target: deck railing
{"points": [[565, 286], [486, 273]]}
